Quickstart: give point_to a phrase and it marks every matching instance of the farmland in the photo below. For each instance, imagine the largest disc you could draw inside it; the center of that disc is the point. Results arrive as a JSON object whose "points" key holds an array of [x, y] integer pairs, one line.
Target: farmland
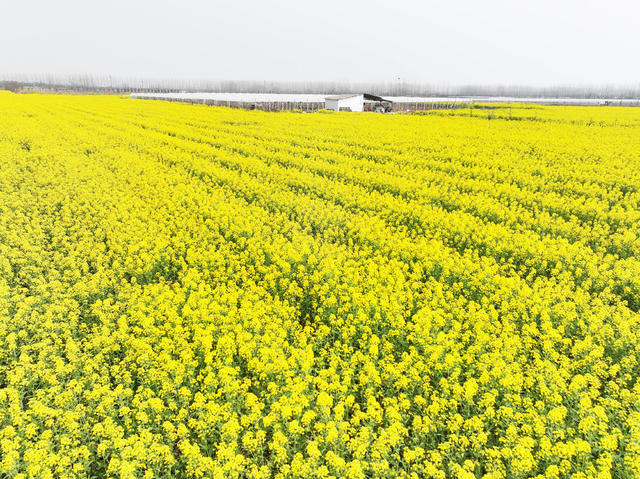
{"points": [[188, 291]]}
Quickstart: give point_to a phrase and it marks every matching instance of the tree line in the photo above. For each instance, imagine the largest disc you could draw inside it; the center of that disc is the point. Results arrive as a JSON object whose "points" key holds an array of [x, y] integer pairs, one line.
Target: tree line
{"points": [[123, 84]]}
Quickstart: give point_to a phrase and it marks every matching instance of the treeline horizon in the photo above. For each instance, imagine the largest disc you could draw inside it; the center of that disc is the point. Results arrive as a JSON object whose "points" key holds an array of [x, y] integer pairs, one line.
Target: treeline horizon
{"points": [[121, 84]]}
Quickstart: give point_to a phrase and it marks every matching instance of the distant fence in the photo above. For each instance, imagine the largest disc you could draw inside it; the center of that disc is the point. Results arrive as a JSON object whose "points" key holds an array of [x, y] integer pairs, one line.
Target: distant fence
{"points": [[396, 106], [251, 105], [308, 106], [424, 106]]}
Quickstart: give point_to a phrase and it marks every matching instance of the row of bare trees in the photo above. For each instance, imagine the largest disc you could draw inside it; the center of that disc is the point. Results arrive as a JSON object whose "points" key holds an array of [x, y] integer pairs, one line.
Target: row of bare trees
{"points": [[121, 84]]}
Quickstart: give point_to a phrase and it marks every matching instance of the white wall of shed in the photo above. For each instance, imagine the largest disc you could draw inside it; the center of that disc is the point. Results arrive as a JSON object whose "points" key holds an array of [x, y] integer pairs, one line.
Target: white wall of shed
{"points": [[356, 103]]}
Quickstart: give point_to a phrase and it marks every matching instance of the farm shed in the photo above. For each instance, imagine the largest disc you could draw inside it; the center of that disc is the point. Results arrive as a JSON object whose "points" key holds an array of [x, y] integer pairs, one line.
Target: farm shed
{"points": [[357, 102]]}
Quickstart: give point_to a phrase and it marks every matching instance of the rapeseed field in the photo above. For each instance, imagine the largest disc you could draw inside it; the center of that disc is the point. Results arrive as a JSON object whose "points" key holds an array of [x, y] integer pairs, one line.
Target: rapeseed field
{"points": [[198, 292]]}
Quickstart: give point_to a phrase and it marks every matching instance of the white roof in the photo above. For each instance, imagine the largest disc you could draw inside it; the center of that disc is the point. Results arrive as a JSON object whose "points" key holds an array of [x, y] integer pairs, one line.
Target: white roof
{"points": [[342, 97], [240, 97]]}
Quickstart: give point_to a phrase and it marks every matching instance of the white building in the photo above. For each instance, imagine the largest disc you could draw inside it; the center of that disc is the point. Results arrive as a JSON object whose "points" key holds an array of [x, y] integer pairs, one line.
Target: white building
{"points": [[357, 102], [344, 103]]}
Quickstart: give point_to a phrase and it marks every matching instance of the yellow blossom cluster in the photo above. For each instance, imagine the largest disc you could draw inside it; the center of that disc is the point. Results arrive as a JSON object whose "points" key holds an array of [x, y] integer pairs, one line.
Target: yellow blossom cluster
{"points": [[195, 292]]}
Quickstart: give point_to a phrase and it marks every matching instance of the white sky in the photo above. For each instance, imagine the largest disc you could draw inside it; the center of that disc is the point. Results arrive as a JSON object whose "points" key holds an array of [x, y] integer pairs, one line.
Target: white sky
{"points": [[455, 42]]}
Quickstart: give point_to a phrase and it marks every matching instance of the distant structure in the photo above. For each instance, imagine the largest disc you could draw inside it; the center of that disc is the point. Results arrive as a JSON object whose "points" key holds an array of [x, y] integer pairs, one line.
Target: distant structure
{"points": [[358, 102], [311, 102], [13, 86], [247, 101]]}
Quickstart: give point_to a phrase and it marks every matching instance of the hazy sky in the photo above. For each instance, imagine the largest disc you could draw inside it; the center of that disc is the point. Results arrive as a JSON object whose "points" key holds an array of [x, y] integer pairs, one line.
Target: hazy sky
{"points": [[444, 42]]}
